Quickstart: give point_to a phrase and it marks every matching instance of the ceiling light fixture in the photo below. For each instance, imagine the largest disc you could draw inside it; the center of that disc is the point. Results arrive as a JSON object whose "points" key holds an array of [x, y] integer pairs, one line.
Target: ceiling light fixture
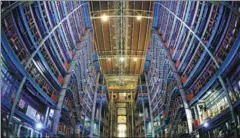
{"points": [[139, 17], [121, 59], [104, 17], [135, 59]]}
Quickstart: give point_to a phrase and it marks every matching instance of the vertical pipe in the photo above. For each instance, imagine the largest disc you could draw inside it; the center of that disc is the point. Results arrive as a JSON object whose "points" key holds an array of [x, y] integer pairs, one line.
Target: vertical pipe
{"points": [[99, 121], [196, 114], [132, 114], [62, 93], [144, 119], [111, 114], [179, 83], [57, 113], [94, 106], [106, 99], [229, 102], [17, 98], [46, 116], [231, 89], [104, 114], [100, 118], [150, 107]]}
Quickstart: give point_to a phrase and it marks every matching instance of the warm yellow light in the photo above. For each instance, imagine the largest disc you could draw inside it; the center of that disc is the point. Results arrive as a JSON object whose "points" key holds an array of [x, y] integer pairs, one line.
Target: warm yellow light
{"points": [[121, 134], [139, 17], [109, 59], [121, 59], [135, 59], [104, 17], [122, 127]]}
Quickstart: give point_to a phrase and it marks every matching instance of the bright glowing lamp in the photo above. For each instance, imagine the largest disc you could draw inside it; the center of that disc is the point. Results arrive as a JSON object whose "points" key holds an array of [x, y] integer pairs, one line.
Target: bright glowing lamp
{"points": [[139, 17], [39, 126], [135, 59], [205, 124], [121, 59], [104, 17]]}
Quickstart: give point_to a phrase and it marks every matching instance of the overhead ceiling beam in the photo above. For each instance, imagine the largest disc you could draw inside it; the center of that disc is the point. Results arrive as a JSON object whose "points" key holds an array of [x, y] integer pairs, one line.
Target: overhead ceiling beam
{"points": [[139, 37], [115, 12], [111, 81], [126, 51], [123, 90], [103, 36], [119, 56], [145, 46], [128, 75], [123, 16], [110, 39], [132, 36]]}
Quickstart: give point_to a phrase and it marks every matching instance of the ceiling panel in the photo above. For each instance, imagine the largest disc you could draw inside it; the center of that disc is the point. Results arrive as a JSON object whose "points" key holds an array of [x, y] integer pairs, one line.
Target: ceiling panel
{"points": [[121, 37]]}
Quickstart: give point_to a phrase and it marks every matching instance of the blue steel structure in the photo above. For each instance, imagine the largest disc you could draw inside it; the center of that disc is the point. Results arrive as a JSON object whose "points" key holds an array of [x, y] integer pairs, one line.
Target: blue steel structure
{"points": [[191, 74], [203, 39], [39, 41]]}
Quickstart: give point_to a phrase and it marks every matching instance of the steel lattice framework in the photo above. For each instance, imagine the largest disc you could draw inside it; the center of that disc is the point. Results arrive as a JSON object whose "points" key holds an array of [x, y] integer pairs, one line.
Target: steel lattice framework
{"points": [[123, 42]]}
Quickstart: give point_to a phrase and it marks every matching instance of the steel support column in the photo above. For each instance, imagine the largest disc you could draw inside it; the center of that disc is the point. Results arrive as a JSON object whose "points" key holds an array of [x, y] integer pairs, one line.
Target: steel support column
{"points": [[111, 129], [104, 114], [46, 116], [32, 56], [94, 106], [179, 83], [150, 107], [212, 57], [100, 119], [132, 115], [229, 103], [66, 80], [18, 95], [144, 119]]}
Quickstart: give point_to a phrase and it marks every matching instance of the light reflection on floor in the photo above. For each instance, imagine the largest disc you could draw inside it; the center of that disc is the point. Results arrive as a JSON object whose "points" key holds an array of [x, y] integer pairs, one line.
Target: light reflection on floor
{"points": [[122, 130]]}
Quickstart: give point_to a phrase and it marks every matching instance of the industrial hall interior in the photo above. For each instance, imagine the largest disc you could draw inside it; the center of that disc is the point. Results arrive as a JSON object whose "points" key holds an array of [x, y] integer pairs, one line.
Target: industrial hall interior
{"points": [[102, 69]]}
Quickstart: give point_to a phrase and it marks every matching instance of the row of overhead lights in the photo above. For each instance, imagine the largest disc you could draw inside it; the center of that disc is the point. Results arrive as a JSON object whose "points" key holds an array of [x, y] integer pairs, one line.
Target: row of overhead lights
{"points": [[122, 59], [105, 18]]}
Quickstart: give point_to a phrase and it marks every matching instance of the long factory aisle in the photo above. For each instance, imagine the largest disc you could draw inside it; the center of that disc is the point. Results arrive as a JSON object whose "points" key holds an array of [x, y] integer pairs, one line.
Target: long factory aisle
{"points": [[120, 69]]}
